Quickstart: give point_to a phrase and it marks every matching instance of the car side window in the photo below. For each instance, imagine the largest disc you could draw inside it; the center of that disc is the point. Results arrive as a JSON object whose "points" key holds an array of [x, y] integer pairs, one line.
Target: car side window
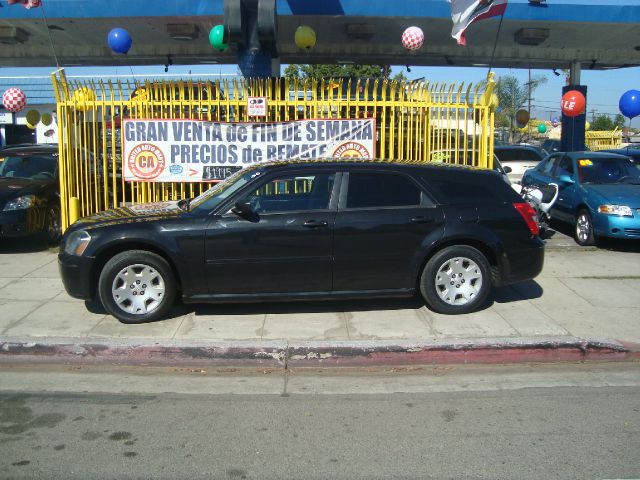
{"points": [[542, 165], [550, 165], [381, 189], [293, 192], [565, 167]]}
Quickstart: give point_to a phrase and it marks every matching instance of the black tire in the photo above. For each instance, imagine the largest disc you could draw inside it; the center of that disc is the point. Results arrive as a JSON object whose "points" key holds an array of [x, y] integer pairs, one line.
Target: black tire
{"points": [[456, 280], [583, 229], [138, 266], [52, 224]]}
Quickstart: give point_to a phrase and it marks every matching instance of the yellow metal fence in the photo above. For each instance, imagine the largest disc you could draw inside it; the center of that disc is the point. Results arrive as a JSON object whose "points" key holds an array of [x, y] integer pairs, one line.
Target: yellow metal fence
{"points": [[415, 121], [602, 140]]}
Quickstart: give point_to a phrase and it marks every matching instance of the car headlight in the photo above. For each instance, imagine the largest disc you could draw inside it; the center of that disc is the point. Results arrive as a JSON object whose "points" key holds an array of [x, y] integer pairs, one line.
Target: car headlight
{"points": [[77, 243], [20, 203], [620, 210]]}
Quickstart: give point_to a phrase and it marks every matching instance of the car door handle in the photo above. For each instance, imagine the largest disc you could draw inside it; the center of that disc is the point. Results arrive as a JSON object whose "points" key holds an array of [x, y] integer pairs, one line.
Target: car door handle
{"points": [[423, 219], [315, 224]]}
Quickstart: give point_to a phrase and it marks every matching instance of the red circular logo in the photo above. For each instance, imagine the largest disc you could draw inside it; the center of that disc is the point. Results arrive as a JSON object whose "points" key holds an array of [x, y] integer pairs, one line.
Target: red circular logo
{"points": [[146, 161], [351, 150], [573, 103]]}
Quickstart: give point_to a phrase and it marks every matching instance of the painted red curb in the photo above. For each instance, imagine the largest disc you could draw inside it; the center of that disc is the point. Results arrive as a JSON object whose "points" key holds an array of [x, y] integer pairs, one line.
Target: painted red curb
{"points": [[280, 354], [459, 354], [633, 349]]}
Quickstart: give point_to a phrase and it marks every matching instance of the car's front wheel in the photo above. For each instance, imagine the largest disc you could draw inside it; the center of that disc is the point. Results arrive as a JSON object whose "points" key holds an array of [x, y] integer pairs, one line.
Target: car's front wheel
{"points": [[53, 225], [137, 286], [456, 280], [584, 235]]}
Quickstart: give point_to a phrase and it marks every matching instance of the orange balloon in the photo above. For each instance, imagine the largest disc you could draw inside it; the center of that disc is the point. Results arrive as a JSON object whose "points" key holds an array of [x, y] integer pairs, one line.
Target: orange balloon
{"points": [[573, 103], [522, 117]]}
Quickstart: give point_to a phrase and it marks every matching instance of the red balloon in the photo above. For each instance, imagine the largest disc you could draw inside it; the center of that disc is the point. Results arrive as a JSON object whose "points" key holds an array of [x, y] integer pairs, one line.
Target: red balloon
{"points": [[573, 103]]}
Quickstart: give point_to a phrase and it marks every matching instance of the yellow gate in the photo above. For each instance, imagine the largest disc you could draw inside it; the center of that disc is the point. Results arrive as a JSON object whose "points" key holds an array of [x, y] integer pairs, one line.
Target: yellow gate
{"points": [[602, 140], [415, 121]]}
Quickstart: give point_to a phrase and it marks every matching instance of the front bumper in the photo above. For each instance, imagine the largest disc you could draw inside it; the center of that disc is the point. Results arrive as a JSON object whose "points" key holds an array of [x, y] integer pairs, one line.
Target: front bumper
{"points": [[76, 273], [617, 227], [21, 223]]}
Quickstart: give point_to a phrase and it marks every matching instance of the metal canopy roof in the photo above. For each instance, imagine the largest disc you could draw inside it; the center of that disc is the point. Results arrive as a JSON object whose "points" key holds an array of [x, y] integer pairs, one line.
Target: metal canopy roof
{"points": [[598, 33]]}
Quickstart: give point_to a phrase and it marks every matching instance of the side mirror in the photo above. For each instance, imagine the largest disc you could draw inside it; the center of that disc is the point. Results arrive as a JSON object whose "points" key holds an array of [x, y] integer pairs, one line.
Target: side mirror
{"points": [[507, 169], [242, 208], [566, 179]]}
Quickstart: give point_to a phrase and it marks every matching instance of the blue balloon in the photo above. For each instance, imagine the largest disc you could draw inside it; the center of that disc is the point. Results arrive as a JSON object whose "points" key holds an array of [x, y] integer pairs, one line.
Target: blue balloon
{"points": [[630, 103], [119, 40]]}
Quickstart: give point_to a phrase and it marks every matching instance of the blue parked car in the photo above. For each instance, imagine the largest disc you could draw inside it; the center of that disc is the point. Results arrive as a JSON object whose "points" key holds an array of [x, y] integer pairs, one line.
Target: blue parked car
{"points": [[599, 193], [631, 152]]}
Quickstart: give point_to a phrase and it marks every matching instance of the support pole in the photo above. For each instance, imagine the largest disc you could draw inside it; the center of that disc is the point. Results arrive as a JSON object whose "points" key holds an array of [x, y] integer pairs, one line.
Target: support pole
{"points": [[252, 26], [573, 136], [574, 73]]}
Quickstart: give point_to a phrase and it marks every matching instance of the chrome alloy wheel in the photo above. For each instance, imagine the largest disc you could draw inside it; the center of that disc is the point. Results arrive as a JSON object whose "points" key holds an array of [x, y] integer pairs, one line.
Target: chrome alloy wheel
{"points": [[53, 224], [458, 281], [138, 289], [583, 227]]}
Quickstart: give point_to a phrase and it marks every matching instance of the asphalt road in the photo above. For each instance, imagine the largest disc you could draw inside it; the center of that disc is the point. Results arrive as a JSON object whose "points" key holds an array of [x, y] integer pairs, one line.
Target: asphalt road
{"points": [[547, 421]]}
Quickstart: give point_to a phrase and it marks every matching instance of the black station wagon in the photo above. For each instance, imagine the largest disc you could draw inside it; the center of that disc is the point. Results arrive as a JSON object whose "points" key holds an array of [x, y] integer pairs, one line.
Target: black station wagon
{"points": [[307, 230]]}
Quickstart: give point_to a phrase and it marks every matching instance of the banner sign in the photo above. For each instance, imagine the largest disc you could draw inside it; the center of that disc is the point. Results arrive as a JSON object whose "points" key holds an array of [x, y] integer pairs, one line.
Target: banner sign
{"points": [[195, 151]]}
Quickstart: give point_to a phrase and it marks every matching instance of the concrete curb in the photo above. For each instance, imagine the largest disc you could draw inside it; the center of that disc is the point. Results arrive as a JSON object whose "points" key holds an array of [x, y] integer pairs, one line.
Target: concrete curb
{"points": [[279, 354]]}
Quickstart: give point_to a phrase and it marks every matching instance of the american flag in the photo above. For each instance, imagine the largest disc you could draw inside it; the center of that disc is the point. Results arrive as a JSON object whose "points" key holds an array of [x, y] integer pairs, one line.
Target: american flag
{"points": [[26, 3], [465, 12]]}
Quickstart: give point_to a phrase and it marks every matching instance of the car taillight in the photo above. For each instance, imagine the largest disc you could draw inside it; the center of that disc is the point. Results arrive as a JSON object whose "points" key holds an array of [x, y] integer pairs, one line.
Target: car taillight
{"points": [[529, 215]]}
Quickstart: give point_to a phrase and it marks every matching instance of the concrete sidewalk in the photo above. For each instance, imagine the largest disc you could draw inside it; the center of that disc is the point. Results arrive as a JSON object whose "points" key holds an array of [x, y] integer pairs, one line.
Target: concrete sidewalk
{"points": [[585, 304]]}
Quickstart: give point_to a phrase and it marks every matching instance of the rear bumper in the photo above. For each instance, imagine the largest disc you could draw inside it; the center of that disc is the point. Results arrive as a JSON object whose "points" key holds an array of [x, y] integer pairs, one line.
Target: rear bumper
{"points": [[76, 275], [521, 263]]}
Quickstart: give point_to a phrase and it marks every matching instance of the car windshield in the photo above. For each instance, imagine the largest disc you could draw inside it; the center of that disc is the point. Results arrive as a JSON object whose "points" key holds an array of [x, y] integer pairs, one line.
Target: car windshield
{"points": [[34, 167], [607, 171], [221, 191]]}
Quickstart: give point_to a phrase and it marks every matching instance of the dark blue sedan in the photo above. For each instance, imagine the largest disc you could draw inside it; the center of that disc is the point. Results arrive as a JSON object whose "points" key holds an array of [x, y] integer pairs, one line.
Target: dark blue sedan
{"points": [[599, 193]]}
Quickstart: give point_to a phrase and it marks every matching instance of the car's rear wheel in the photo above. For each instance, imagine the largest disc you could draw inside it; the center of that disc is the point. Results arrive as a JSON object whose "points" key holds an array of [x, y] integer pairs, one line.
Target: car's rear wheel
{"points": [[53, 224], [456, 280], [583, 232], [137, 286]]}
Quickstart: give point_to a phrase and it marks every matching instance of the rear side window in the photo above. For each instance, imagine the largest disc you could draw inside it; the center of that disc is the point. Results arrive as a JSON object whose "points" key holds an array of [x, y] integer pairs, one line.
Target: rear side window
{"points": [[379, 189], [464, 187]]}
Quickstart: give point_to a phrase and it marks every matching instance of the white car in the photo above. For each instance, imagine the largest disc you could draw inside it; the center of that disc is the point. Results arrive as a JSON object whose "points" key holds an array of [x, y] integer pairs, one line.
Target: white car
{"points": [[518, 158]]}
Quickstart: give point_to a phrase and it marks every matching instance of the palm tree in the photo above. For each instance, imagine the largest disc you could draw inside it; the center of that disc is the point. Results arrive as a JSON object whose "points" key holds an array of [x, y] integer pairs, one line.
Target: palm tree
{"points": [[513, 96]]}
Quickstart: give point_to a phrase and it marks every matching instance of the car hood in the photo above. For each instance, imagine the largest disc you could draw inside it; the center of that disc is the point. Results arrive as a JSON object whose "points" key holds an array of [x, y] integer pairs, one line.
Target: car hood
{"points": [[132, 213], [619, 194], [16, 187]]}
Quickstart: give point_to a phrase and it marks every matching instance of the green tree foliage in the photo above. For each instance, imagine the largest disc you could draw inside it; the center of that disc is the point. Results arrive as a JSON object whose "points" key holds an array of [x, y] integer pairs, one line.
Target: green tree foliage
{"points": [[619, 121], [605, 123], [514, 96], [602, 123], [318, 72], [400, 77]]}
